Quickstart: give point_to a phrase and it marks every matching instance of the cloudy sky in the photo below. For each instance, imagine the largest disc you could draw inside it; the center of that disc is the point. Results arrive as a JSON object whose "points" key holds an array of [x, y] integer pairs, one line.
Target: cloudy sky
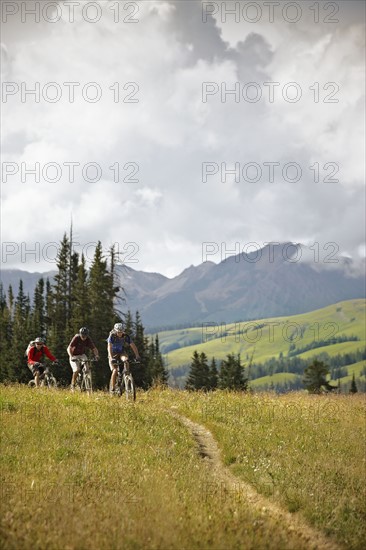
{"points": [[162, 126]]}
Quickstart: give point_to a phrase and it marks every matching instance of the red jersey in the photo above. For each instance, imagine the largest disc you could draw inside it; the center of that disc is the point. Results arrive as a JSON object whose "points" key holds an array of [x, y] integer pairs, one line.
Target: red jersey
{"points": [[36, 355]]}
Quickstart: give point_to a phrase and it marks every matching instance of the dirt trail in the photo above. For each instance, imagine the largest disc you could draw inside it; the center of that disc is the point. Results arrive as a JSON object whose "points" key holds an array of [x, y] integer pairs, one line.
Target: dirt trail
{"points": [[209, 451]]}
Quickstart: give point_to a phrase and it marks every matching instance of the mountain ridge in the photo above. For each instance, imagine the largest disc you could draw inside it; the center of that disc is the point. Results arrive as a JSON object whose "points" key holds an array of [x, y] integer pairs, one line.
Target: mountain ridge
{"points": [[264, 283]]}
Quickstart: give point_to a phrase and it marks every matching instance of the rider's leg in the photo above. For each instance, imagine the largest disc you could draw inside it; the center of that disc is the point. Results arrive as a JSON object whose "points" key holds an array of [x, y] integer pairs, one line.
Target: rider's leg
{"points": [[114, 372], [113, 378], [35, 372], [75, 369]]}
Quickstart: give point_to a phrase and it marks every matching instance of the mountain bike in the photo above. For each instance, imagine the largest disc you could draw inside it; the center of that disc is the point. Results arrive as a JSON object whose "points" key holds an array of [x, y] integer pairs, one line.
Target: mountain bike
{"points": [[84, 378], [125, 382], [46, 378]]}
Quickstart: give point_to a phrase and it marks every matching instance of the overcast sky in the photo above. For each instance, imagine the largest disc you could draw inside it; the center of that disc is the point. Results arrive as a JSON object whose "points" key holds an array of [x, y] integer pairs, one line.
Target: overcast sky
{"points": [[293, 127]]}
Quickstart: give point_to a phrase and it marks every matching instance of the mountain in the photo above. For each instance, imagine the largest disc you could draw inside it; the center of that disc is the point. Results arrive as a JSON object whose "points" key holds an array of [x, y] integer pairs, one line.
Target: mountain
{"points": [[242, 288], [246, 286], [13, 276]]}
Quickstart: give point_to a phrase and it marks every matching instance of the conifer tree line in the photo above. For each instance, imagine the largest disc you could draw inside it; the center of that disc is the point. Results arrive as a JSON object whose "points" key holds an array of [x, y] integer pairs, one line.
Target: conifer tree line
{"points": [[77, 297], [204, 375]]}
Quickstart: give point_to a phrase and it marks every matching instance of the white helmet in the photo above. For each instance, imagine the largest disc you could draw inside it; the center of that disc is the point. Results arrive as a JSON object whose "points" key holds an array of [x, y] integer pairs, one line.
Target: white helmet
{"points": [[118, 327]]}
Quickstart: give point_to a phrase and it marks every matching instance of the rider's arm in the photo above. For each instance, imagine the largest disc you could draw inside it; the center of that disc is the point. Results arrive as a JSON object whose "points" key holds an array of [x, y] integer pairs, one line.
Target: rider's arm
{"points": [[48, 353], [31, 360], [110, 351], [135, 350], [93, 347], [72, 346]]}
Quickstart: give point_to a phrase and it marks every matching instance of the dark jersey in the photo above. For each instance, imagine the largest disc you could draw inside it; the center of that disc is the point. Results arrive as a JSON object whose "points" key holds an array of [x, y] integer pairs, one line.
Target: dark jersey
{"points": [[81, 345]]}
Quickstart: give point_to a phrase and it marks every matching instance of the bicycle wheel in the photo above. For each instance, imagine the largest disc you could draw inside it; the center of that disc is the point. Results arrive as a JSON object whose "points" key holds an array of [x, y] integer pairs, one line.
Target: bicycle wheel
{"points": [[118, 389], [32, 384], [50, 382], [78, 383], [86, 384], [130, 387]]}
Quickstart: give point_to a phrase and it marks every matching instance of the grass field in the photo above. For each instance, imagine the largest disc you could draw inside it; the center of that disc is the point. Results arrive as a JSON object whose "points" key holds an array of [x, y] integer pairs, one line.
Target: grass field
{"points": [[269, 338], [100, 473]]}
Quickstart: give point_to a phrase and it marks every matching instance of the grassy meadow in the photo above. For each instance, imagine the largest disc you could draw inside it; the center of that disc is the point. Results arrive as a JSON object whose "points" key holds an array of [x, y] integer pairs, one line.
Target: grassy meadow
{"points": [[96, 472]]}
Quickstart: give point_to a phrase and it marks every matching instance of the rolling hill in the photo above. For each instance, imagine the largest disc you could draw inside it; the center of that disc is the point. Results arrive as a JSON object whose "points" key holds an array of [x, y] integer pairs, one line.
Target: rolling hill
{"points": [[304, 336]]}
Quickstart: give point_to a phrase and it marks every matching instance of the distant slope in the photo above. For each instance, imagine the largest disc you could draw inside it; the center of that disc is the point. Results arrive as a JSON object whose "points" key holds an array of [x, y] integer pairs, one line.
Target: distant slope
{"points": [[30, 280], [271, 337], [278, 379]]}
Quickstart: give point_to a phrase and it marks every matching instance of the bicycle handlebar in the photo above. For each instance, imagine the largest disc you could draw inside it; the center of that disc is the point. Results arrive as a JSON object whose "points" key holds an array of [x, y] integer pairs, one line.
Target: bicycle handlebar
{"points": [[46, 364], [78, 360], [119, 361]]}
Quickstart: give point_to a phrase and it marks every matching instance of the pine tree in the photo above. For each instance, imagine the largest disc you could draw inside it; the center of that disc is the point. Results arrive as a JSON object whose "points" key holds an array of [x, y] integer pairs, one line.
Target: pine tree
{"points": [[232, 376], [62, 286], [73, 273], [17, 370], [140, 373], [48, 308], [101, 312], [199, 374], [11, 300], [157, 371], [80, 313], [315, 377], [113, 272], [38, 324], [353, 388], [128, 323], [205, 369], [193, 380], [58, 312], [5, 336], [73, 290], [213, 375]]}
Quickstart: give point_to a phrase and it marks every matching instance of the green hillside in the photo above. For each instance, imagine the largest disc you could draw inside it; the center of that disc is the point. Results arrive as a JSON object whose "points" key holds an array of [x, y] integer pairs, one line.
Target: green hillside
{"points": [[285, 379], [269, 338], [280, 378], [359, 370]]}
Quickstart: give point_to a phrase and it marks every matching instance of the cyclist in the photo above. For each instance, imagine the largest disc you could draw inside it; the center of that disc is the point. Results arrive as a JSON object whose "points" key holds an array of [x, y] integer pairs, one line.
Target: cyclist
{"points": [[35, 354], [118, 340], [76, 350]]}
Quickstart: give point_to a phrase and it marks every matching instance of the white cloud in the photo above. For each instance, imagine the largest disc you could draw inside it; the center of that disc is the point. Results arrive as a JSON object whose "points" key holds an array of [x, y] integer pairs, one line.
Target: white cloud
{"points": [[170, 132]]}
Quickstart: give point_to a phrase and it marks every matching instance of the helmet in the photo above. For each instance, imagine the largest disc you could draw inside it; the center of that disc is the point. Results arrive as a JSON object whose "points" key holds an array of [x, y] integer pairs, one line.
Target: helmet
{"points": [[39, 340], [118, 327], [84, 331]]}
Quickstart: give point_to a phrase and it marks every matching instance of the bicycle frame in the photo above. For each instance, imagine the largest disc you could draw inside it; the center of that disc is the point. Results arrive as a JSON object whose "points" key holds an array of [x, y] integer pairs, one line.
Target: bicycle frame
{"points": [[125, 381], [46, 378], [84, 377]]}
